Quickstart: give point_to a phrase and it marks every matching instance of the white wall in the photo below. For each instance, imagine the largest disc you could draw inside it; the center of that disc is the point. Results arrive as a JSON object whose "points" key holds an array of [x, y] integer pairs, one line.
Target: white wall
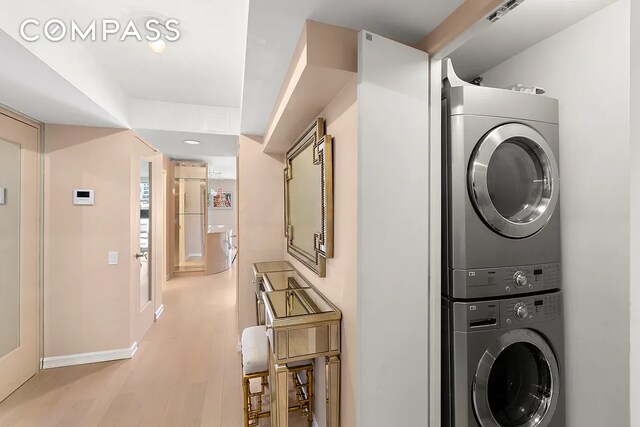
{"points": [[586, 67], [393, 235], [635, 215]]}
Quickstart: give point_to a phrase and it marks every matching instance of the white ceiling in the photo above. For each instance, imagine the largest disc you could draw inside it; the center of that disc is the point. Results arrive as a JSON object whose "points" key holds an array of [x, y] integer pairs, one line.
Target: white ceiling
{"points": [[34, 89], [172, 143], [204, 67], [195, 86], [523, 27], [275, 25], [219, 151]]}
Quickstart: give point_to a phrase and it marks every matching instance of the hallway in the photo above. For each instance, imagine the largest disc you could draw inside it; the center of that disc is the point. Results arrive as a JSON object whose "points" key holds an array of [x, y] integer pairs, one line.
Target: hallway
{"points": [[186, 371]]}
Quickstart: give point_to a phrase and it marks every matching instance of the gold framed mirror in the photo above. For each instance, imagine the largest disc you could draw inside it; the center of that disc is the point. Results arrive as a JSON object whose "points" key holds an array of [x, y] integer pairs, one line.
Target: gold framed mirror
{"points": [[308, 198]]}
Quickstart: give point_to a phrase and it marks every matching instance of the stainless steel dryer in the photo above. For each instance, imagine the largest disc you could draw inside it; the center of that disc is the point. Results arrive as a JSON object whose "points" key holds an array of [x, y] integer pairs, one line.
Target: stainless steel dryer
{"points": [[503, 362], [501, 216]]}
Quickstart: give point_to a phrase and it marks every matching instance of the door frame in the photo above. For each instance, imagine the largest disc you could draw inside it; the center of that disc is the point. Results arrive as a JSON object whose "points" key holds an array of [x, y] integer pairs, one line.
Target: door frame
{"points": [[39, 257], [147, 315]]}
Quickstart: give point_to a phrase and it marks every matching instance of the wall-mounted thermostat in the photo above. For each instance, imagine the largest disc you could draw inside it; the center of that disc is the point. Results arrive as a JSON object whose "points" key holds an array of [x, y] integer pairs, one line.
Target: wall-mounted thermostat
{"points": [[83, 196], [3, 192]]}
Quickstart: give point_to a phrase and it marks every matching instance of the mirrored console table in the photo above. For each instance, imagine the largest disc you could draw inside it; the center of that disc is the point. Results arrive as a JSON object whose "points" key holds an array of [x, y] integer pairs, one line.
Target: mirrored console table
{"points": [[301, 325]]}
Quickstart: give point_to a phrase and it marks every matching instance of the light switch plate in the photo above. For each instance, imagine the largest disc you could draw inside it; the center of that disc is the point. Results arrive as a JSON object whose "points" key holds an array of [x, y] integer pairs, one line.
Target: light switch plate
{"points": [[3, 191], [113, 258]]}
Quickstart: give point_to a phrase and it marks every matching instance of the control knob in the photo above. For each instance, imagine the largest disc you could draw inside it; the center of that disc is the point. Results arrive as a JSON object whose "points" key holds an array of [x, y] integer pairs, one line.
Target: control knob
{"points": [[521, 310], [520, 279]]}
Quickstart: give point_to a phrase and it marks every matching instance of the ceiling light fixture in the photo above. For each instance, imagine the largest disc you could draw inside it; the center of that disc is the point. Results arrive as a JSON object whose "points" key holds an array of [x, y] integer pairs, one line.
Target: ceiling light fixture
{"points": [[191, 142], [157, 46]]}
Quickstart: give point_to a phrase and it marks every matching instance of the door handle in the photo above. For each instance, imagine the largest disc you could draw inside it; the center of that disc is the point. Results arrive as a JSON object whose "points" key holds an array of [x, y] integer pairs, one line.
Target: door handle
{"points": [[142, 255]]}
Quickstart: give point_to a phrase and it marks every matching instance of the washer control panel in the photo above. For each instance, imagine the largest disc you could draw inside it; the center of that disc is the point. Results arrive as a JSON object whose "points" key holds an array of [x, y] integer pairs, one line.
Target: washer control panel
{"points": [[488, 282], [522, 311], [506, 313]]}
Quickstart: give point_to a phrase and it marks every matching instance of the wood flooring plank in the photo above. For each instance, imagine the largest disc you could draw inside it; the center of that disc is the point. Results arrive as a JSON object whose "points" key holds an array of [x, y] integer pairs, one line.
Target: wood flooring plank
{"points": [[192, 412], [154, 407], [74, 417]]}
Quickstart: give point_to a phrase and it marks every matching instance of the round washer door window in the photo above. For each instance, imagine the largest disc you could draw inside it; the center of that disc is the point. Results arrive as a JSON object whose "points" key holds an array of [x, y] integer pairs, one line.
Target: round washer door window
{"points": [[513, 180], [517, 382]]}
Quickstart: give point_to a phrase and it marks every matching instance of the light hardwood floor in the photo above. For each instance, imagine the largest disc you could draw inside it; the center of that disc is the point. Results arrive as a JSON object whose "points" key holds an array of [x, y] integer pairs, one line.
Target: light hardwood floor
{"points": [[186, 372]]}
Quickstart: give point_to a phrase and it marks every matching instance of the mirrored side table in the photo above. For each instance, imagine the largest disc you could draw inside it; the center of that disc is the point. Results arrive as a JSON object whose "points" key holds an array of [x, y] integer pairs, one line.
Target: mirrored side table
{"points": [[259, 270], [301, 325]]}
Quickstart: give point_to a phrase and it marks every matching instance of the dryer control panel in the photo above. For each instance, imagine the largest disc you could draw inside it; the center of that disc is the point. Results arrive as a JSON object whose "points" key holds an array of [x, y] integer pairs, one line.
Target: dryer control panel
{"points": [[491, 282]]}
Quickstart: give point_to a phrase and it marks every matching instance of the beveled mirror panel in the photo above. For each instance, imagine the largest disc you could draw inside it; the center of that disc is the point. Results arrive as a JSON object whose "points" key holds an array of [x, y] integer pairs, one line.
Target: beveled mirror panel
{"points": [[308, 179]]}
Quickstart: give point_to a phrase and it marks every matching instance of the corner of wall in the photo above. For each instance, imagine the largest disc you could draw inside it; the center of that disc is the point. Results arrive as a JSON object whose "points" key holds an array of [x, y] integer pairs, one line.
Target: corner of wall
{"points": [[260, 218]]}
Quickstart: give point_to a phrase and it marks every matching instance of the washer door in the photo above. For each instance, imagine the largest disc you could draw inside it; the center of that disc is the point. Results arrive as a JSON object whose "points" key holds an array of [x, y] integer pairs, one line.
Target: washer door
{"points": [[513, 180], [517, 382]]}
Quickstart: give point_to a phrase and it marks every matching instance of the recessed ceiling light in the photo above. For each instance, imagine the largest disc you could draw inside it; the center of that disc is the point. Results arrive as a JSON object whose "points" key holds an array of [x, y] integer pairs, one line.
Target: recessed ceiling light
{"points": [[157, 46], [191, 142]]}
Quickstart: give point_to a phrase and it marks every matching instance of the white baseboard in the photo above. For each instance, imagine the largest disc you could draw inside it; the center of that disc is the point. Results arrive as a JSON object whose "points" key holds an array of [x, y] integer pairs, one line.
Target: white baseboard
{"points": [[159, 311], [93, 357]]}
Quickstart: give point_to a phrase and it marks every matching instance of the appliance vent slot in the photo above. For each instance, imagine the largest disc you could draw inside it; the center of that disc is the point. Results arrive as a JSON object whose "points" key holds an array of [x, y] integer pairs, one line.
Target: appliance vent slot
{"points": [[512, 4]]}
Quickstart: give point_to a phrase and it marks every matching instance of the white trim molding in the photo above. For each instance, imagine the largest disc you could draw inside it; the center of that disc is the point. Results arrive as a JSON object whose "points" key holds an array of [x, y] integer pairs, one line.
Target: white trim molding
{"points": [[159, 311], [315, 422], [93, 357]]}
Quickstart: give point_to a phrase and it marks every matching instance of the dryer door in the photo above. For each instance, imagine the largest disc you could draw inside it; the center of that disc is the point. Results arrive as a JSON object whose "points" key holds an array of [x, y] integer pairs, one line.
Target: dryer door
{"points": [[517, 382], [513, 180]]}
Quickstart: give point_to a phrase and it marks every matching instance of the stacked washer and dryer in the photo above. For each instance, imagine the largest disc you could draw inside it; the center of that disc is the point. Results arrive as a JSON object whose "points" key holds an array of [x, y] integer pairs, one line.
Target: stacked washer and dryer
{"points": [[502, 315]]}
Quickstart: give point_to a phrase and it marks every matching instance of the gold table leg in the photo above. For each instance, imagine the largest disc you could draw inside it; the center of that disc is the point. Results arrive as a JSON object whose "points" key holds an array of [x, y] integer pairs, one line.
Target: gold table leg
{"points": [[332, 366]]}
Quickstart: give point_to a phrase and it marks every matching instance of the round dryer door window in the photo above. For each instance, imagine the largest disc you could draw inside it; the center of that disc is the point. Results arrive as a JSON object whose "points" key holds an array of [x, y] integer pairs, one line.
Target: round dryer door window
{"points": [[517, 382], [513, 180]]}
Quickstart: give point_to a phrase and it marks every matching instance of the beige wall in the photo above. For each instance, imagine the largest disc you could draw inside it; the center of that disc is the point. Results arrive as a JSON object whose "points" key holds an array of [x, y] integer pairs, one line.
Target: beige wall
{"points": [[88, 303], [260, 218], [339, 285]]}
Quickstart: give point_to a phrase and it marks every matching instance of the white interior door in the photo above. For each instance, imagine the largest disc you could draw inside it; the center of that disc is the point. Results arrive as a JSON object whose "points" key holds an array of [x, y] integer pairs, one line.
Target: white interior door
{"points": [[19, 249]]}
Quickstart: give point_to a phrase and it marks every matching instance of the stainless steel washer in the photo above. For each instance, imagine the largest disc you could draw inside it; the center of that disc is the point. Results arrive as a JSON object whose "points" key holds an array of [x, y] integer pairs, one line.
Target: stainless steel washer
{"points": [[503, 362], [501, 211]]}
